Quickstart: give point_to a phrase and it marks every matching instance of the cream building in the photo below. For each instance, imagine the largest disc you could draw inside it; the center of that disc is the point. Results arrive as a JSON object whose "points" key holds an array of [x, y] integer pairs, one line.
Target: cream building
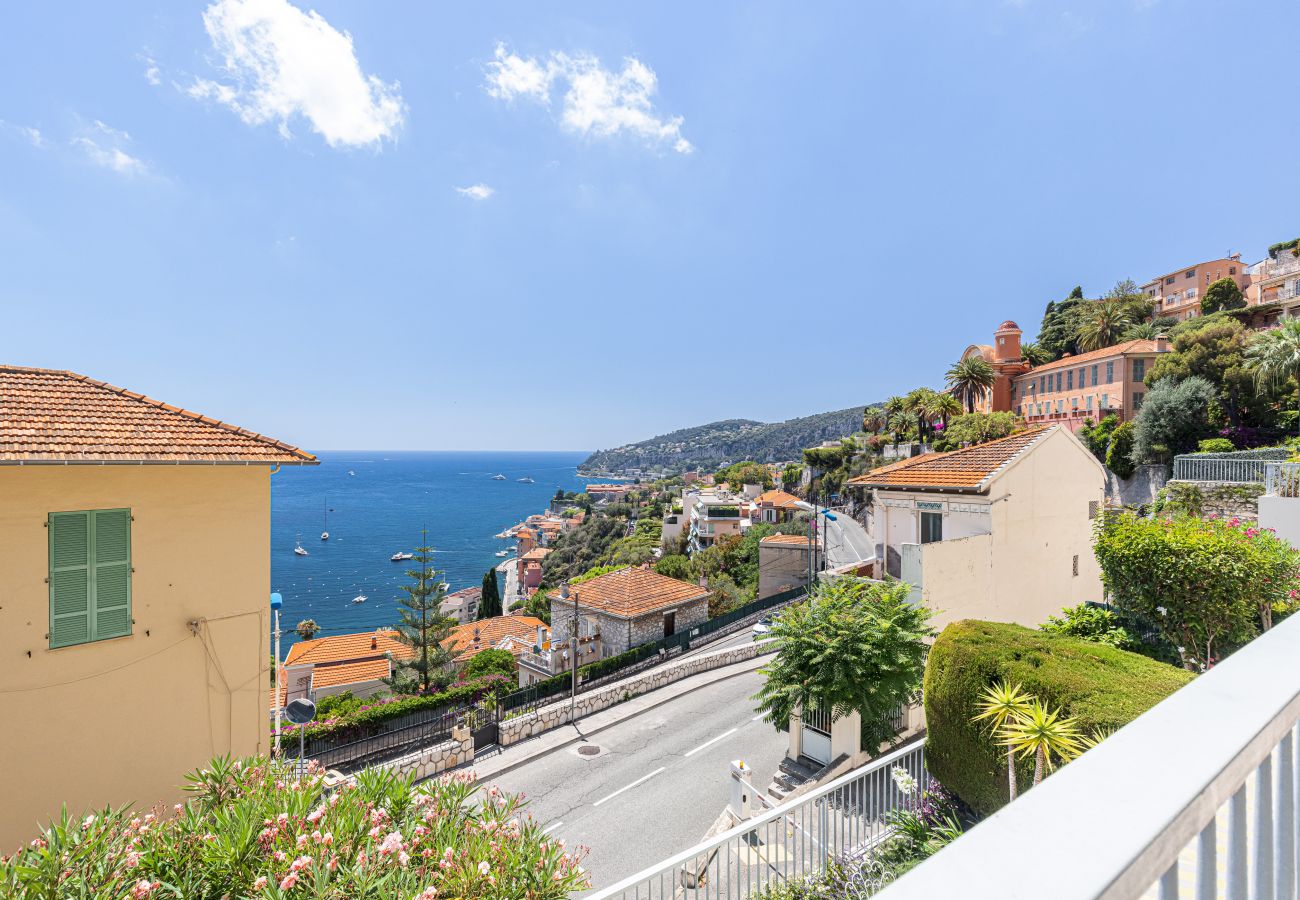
{"points": [[999, 531], [134, 585]]}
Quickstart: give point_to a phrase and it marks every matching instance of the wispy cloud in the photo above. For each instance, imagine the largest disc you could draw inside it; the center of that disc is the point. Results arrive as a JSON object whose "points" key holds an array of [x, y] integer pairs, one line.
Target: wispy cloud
{"points": [[152, 73], [476, 191], [31, 135], [597, 101], [281, 62], [106, 147]]}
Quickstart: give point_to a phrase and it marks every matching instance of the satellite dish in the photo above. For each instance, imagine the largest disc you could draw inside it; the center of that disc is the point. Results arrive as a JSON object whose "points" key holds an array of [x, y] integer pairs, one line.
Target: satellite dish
{"points": [[300, 711]]}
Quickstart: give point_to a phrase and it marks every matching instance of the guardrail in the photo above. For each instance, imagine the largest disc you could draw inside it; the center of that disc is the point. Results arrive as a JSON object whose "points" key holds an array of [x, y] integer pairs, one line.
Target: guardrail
{"points": [[1195, 798], [1282, 480], [789, 841]]}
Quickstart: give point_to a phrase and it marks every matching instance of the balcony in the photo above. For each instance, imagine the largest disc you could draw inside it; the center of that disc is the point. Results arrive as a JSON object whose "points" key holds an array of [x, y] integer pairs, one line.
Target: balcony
{"points": [[1196, 798]]}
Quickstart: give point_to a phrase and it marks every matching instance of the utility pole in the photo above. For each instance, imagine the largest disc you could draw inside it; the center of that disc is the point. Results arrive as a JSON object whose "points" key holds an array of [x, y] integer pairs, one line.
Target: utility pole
{"points": [[276, 602], [573, 650]]}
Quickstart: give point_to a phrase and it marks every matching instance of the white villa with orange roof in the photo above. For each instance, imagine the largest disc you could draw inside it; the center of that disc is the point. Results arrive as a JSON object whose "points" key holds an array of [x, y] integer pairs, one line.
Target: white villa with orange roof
{"points": [[355, 663], [999, 531]]}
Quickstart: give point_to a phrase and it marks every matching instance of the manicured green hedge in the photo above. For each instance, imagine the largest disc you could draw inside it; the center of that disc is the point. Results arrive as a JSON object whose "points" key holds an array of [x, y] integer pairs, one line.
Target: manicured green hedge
{"points": [[1102, 687], [366, 721]]}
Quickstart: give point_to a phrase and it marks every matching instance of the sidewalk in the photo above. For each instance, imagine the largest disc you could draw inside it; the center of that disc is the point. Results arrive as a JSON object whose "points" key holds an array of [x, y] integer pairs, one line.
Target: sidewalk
{"points": [[500, 760]]}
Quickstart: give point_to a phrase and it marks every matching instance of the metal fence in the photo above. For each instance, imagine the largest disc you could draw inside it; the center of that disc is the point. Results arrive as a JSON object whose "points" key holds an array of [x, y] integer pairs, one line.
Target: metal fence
{"points": [[1282, 479], [1244, 468], [393, 738], [787, 842]]}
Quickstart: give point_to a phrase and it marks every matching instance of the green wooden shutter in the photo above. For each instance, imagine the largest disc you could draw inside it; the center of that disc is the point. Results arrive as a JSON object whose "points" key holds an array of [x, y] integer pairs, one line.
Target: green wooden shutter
{"points": [[110, 575], [69, 578]]}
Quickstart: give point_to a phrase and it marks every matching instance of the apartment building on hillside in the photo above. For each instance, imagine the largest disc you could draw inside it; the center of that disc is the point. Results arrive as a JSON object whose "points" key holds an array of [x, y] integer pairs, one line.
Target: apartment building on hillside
{"points": [[1088, 386], [1178, 293], [1276, 280]]}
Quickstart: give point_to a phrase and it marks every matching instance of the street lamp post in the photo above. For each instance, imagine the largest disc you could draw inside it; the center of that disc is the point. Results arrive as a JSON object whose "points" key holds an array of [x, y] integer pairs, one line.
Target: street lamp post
{"points": [[573, 650], [276, 602]]}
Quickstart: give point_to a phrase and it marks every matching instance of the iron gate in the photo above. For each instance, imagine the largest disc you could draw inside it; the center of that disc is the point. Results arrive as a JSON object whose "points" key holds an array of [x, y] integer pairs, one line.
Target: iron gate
{"points": [[484, 725]]}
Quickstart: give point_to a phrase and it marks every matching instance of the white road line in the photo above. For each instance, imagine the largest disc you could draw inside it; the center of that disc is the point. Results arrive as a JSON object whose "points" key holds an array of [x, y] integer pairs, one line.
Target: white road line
{"points": [[757, 717], [549, 828], [630, 786], [713, 741]]}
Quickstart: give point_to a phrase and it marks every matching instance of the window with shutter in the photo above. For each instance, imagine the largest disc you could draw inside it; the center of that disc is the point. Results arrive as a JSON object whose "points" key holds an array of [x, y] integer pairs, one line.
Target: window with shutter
{"points": [[90, 576]]}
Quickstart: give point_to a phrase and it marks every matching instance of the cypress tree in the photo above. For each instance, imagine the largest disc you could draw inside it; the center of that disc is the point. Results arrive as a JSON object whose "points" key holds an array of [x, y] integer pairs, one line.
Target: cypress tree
{"points": [[423, 628], [489, 604]]}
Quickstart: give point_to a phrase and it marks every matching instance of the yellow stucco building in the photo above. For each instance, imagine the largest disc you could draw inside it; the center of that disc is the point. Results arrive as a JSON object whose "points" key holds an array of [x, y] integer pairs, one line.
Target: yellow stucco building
{"points": [[134, 582]]}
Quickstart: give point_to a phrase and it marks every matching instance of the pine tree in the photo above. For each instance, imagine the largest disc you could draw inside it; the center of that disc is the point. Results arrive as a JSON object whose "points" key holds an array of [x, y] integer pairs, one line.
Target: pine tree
{"points": [[423, 628], [489, 604]]}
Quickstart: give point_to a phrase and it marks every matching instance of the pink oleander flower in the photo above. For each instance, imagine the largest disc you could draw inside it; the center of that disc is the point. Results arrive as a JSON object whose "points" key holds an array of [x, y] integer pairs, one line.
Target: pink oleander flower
{"points": [[300, 863], [327, 838], [87, 822], [279, 856], [301, 841], [178, 808], [289, 882], [316, 815], [429, 893], [143, 888], [260, 883], [484, 868], [333, 864]]}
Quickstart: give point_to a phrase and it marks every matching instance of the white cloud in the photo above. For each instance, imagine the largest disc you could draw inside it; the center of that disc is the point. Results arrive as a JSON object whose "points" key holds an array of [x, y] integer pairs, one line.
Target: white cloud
{"points": [[283, 62], [109, 157], [32, 135], [597, 101], [476, 191], [152, 73]]}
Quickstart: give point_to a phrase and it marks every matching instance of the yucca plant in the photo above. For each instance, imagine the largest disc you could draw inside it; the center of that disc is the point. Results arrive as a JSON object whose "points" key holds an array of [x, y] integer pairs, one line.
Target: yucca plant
{"points": [[1001, 704], [1043, 733]]}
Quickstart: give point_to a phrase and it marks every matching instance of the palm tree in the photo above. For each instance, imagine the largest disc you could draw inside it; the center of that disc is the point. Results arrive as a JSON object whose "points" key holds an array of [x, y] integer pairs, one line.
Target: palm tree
{"points": [[873, 420], [1141, 331], [970, 380], [1043, 733], [1274, 355], [1034, 354], [307, 629], [1000, 704], [944, 407], [1103, 323], [918, 404]]}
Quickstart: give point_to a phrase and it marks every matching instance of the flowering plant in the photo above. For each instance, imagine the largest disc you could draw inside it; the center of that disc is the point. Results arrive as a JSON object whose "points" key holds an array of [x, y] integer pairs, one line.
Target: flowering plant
{"points": [[252, 828]]}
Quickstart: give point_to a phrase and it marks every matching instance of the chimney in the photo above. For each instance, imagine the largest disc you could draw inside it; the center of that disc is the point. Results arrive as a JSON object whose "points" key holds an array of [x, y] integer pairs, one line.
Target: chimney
{"points": [[1162, 343], [374, 643], [476, 634]]}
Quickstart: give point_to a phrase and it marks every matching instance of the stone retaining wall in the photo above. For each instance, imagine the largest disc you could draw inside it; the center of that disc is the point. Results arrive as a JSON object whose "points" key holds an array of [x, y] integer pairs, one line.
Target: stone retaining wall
{"points": [[429, 761], [512, 731], [1206, 498]]}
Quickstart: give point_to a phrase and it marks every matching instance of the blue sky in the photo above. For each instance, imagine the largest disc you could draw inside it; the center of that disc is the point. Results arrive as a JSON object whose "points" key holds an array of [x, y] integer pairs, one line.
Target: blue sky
{"points": [[669, 213]]}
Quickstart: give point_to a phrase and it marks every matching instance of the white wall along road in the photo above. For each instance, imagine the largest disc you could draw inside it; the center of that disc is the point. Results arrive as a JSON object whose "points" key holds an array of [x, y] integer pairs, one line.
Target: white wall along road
{"points": [[658, 782]]}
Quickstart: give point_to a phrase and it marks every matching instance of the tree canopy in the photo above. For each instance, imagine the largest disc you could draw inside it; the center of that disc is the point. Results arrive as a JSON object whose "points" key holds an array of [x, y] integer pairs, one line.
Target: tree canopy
{"points": [[1173, 418], [1223, 294]]}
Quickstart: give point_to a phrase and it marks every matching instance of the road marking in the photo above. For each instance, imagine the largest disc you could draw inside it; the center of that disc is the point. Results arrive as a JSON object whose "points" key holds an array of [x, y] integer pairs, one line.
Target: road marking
{"points": [[757, 717], [549, 828], [630, 786], [714, 741]]}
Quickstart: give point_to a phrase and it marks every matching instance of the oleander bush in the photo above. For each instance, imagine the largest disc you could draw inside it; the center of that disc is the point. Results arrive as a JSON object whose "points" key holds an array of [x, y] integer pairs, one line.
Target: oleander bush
{"points": [[253, 829], [1101, 687]]}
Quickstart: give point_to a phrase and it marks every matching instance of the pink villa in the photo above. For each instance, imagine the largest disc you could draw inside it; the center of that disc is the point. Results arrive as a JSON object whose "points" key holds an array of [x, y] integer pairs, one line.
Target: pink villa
{"points": [[1088, 386]]}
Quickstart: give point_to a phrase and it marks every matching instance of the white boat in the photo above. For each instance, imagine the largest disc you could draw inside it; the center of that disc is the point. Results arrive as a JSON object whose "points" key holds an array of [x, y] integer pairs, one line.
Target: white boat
{"points": [[298, 549], [399, 556], [503, 553], [325, 532], [350, 472], [498, 478], [360, 598], [525, 480], [442, 586]]}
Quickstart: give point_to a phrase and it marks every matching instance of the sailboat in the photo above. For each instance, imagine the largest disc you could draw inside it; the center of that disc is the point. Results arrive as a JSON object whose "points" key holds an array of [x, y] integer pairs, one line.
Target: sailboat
{"points": [[325, 535], [525, 480], [498, 477], [360, 598]]}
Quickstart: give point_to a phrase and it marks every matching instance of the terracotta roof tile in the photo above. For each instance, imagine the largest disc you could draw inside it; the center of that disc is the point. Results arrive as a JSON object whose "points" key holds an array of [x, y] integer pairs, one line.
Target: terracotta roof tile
{"points": [[536, 553], [1138, 346], [966, 468], [334, 674], [779, 499], [54, 416], [631, 592], [346, 647], [789, 540], [474, 637]]}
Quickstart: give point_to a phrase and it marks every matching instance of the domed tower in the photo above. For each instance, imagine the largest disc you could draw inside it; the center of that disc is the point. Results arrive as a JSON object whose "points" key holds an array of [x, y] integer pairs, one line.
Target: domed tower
{"points": [[1007, 344]]}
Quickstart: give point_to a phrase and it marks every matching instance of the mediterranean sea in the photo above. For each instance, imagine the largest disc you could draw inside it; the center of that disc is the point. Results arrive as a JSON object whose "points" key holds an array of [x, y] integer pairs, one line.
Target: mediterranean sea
{"points": [[377, 504]]}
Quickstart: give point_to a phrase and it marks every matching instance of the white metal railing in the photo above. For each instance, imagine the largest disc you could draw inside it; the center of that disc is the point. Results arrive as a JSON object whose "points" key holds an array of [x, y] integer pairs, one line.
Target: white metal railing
{"points": [[1282, 479], [1195, 468], [1196, 798], [792, 840]]}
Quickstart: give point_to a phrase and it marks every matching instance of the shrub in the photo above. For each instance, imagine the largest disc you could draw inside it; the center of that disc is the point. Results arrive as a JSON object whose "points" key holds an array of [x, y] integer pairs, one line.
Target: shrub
{"points": [[1103, 688], [252, 829], [1215, 445], [1097, 437], [1172, 419], [492, 662], [1208, 585], [1092, 623], [1120, 452], [336, 705], [365, 720]]}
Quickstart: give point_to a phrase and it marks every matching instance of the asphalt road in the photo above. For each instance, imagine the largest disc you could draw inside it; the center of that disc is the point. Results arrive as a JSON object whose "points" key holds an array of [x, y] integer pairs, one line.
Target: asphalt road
{"points": [[846, 541], [657, 782]]}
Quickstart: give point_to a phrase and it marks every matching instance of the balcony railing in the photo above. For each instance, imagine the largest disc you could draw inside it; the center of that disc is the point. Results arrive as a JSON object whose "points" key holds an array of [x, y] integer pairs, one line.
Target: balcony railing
{"points": [[789, 841], [1194, 467], [1196, 798], [1282, 480]]}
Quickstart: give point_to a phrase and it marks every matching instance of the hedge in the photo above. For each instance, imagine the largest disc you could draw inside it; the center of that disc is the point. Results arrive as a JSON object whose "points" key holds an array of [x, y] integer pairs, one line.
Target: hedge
{"points": [[367, 720], [1102, 687]]}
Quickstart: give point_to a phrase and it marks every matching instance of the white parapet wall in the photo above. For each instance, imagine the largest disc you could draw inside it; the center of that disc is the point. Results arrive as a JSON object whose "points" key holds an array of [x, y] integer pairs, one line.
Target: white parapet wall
{"points": [[558, 713]]}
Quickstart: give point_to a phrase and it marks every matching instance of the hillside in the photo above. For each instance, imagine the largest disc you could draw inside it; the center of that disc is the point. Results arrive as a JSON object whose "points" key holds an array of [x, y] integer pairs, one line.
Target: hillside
{"points": [[718, 444]]}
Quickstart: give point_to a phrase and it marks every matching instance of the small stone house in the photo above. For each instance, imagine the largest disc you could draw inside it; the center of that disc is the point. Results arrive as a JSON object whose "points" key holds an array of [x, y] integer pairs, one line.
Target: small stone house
{"points": [[782, 563], [630, 607]]}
